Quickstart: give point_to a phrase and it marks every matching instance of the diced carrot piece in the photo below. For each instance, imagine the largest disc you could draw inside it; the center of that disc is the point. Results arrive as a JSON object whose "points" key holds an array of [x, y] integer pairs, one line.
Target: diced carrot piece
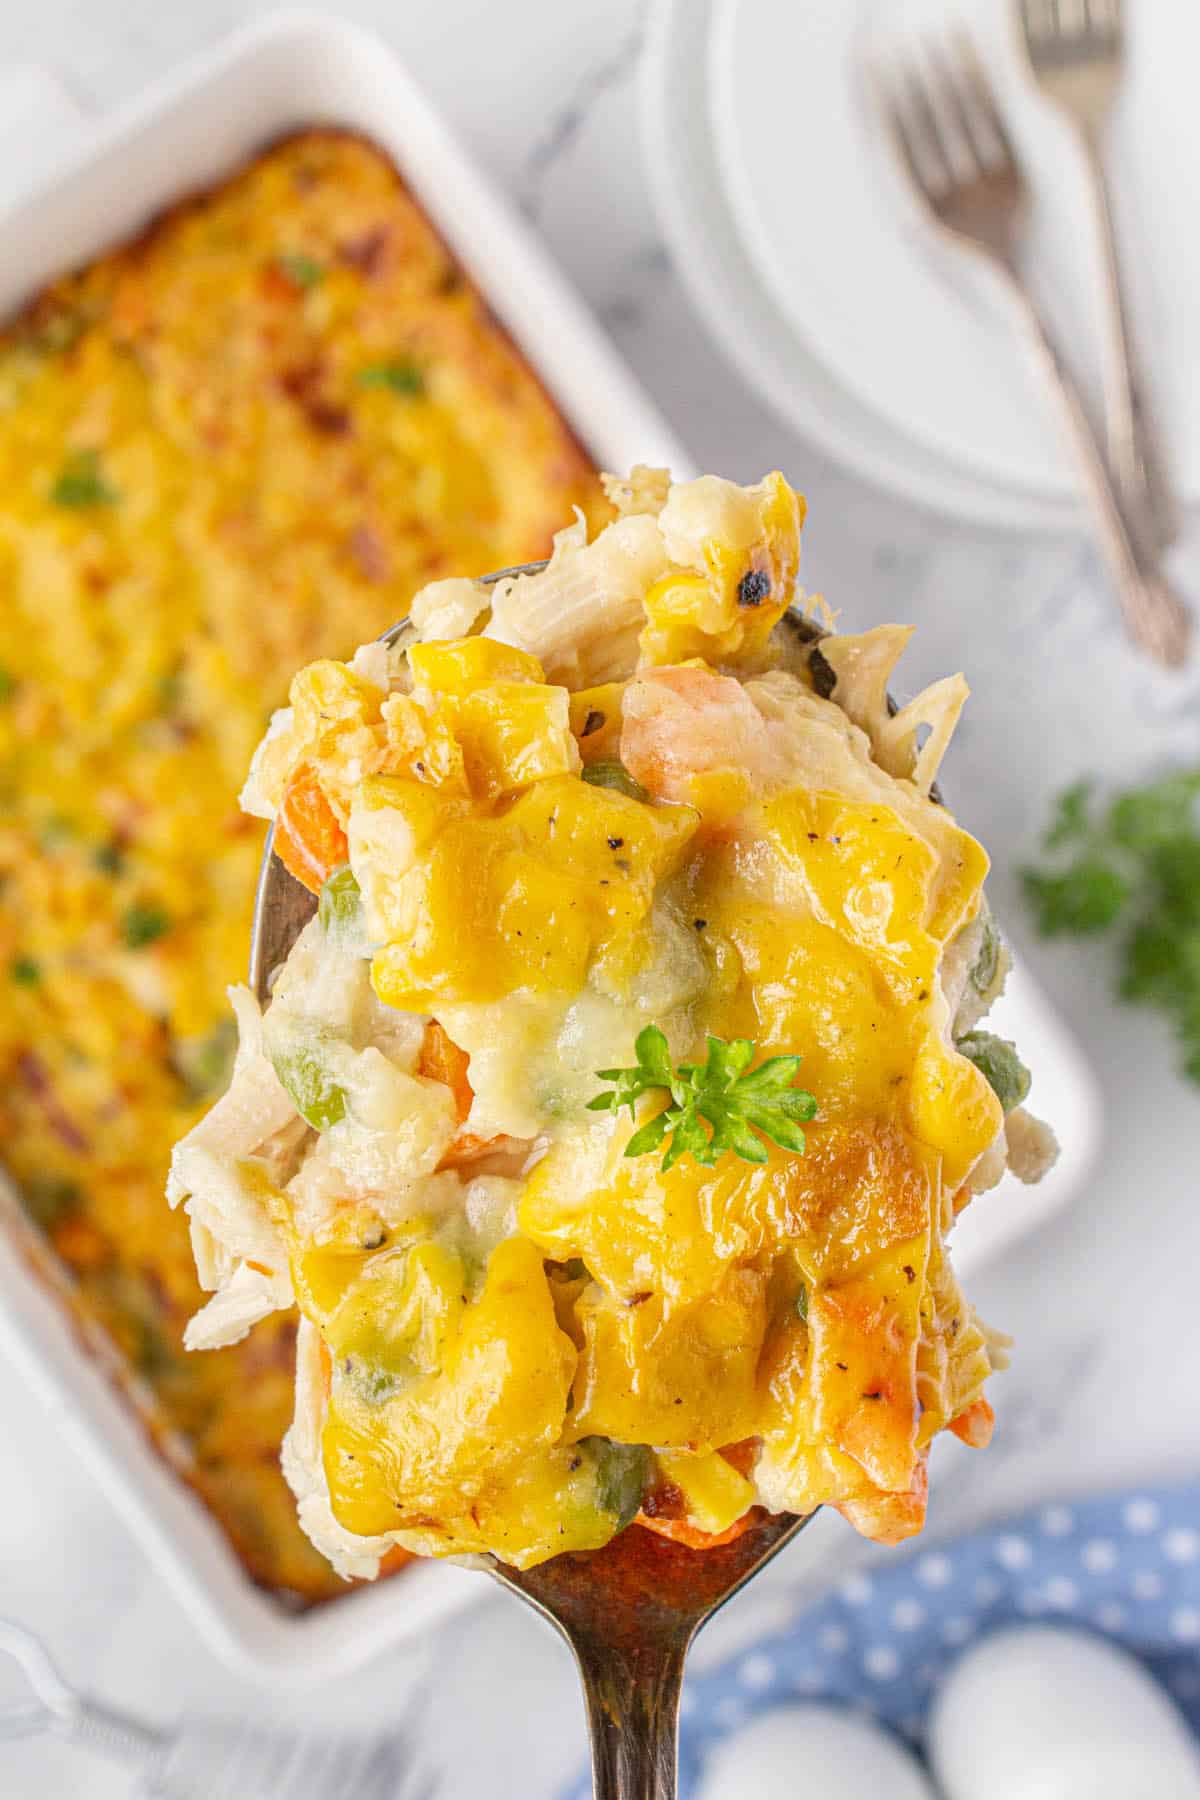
{"points": [[326, 1367], [974, 1425], [442, 1060], [680, 1532], [309, 840]]}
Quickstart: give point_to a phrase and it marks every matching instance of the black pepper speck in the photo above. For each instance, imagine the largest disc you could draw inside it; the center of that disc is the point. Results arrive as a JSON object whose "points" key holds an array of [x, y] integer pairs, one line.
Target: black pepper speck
{"points": [[754, 588]]}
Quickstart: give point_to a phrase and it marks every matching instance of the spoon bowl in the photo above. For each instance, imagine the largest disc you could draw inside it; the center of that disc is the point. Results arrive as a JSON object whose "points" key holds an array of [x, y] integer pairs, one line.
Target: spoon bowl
{"points": [[630, 1610]]}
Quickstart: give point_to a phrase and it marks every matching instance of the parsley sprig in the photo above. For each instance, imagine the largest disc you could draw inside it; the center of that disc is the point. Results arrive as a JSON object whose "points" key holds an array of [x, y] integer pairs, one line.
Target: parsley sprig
{"points": [[397, 373], [81, 482], [1133, 864], [718, 1105], [302, 270]]}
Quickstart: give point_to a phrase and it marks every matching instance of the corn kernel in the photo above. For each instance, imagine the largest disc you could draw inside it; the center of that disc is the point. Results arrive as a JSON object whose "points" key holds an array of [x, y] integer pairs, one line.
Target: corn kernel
{"points": [[470, 663], [715, 1494]]}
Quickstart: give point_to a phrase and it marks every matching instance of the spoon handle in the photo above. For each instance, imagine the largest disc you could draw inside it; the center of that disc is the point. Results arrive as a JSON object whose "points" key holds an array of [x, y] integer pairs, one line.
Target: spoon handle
{"points": [[633, 1718]]}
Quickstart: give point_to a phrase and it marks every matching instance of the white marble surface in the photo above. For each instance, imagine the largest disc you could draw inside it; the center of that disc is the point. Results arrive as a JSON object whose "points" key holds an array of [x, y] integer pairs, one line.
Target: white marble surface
{"points": [[1102, 1390]]}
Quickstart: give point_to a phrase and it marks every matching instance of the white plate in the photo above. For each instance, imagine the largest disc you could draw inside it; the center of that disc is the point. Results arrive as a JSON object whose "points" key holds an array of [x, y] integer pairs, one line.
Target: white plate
{"points": [[189, 130], [860, 277], [754, 320]]}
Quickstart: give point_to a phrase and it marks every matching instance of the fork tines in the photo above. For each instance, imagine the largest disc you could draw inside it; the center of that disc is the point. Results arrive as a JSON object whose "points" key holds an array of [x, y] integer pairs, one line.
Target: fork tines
{"points": [[944, 118], [1070, 29]]}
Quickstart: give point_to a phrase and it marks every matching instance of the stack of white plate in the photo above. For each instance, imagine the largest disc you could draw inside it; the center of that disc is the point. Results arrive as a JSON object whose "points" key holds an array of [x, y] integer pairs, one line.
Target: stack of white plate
{"points": [[812, 266]]}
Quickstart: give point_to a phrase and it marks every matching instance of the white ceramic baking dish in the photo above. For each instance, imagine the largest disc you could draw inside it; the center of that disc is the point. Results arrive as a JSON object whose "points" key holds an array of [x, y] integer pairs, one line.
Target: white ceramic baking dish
{"points": [[88, 185], [105, 181]]}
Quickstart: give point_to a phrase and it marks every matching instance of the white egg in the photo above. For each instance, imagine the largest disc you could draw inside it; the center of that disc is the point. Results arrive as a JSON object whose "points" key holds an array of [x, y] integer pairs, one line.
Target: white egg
{"points": [[1043, 1713], [800, 1752]]}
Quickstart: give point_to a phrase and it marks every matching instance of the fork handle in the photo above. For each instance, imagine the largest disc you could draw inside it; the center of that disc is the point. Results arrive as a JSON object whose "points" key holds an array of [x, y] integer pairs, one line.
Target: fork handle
{"points": [[1134, 448], [1155, 616]]}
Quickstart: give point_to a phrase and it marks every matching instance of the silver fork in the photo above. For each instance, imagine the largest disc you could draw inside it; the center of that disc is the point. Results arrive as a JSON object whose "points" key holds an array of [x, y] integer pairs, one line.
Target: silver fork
{"points": [[1075, 51], [951, 140]]}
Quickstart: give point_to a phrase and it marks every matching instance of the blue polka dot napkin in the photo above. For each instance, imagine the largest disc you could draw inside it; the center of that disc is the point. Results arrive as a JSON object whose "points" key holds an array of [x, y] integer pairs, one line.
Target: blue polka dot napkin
{"points": [[1127, 1566]]}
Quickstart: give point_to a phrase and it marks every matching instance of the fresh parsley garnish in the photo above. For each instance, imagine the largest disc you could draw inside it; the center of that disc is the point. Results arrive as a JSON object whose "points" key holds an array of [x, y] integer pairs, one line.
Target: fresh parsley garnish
{"points": [[401, 376], [301, 270], [81, 482], [1134, 865], [143, 924], [108, 858], [721, 1104]]}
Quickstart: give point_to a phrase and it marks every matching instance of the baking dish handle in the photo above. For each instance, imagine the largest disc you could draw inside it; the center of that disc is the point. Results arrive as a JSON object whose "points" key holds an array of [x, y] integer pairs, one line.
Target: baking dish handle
{"points": [[41, 121]]}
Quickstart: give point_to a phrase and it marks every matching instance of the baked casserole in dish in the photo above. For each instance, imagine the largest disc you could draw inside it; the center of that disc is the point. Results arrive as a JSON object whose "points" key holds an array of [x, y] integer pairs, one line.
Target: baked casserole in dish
{"points": [[241, 442]]}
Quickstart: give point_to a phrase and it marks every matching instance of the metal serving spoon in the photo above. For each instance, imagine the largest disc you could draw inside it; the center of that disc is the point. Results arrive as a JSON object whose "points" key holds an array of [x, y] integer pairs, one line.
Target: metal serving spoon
{"points": [[628, 1611]]}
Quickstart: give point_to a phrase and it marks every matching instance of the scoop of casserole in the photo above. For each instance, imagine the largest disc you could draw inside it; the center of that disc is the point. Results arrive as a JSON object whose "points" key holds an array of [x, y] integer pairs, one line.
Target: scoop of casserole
{"points": [[608, 1122]]}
